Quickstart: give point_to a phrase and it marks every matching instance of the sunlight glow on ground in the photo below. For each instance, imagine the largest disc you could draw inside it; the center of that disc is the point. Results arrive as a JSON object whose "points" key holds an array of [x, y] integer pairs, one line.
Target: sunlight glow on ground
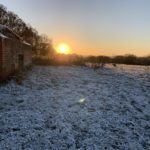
{"points": [[82, 100]]}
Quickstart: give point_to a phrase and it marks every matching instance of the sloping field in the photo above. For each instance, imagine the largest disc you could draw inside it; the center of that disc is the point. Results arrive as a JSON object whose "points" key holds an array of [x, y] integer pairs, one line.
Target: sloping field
{"points": [[62, 108]]}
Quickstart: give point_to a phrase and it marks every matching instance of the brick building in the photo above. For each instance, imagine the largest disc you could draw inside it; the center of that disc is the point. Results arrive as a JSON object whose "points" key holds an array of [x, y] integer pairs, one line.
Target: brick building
{"points": [[15, 54]]}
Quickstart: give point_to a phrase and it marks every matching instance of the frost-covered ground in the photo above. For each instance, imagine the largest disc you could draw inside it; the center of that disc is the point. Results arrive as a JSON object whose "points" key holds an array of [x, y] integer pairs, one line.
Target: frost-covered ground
{"points": [[63, 108]]}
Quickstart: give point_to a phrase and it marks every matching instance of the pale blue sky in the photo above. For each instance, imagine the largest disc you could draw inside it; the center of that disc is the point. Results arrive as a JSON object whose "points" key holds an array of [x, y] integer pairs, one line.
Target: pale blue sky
{"points": [[95, 27]]}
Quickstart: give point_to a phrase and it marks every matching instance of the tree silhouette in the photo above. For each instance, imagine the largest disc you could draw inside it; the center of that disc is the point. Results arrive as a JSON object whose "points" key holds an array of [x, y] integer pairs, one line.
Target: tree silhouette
{"points": [[40, 43]]}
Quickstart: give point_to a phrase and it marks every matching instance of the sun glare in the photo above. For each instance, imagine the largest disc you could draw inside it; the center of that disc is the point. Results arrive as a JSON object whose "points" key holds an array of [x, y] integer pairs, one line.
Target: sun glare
{"points": [[63, 48]]}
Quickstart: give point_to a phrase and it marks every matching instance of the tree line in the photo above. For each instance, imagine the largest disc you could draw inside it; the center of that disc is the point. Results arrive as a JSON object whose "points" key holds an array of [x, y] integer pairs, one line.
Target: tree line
{"points": [[41, 44], [126, 59], [73, 59]]}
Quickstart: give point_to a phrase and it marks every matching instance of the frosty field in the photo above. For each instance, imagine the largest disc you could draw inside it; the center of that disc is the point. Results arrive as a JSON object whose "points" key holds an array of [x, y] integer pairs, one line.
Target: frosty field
{"points": [[77, 108]]}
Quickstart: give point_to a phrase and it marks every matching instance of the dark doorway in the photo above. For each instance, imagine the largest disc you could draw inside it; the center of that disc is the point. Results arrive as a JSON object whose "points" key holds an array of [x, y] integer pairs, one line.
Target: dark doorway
{"points": [[21, 61]]}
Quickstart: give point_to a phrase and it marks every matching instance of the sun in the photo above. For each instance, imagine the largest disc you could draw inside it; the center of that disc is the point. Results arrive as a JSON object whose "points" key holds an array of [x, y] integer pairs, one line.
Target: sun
{"points": [[63, 48]]}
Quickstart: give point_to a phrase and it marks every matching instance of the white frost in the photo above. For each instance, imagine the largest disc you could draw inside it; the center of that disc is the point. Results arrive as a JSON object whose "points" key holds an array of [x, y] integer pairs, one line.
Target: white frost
{"points": [[62, 108]]}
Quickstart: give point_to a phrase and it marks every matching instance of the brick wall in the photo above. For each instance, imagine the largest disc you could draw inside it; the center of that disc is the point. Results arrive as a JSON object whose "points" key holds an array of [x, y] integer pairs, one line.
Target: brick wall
{"points": [[9, 56], [11, 49]]}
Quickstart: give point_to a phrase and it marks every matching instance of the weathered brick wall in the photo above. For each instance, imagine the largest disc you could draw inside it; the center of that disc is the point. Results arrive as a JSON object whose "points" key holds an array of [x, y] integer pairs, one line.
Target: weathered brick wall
{"points": [[11, 49]]}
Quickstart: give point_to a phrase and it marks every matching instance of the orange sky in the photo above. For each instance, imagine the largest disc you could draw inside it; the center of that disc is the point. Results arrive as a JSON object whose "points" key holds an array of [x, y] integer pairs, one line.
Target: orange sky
{"points": [[108, 49], [90, 27]]}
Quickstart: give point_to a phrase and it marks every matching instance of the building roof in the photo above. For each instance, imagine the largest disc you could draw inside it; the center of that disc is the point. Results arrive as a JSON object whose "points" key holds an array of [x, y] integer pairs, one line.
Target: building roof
{"points": [[26, 43], [7, 32], [4, 34], [2, 27]]}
